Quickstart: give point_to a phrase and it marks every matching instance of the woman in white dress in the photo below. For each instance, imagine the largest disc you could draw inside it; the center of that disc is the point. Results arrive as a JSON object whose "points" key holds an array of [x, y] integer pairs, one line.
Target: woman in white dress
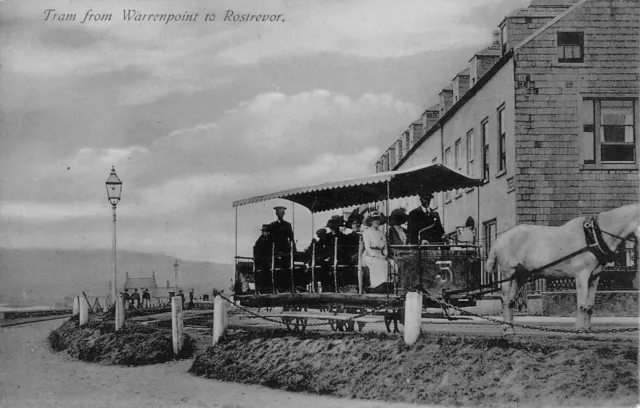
{"points": [[375, 255]]}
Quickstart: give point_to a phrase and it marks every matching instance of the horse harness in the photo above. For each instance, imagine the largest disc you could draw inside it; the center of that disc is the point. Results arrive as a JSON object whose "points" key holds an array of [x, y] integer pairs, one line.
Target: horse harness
{"points": [[595, 243]]}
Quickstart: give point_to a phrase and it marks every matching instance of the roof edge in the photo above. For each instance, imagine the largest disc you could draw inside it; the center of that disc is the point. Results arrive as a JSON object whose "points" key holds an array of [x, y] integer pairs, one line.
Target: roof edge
{"points": [[468, 95], [549, 24]]}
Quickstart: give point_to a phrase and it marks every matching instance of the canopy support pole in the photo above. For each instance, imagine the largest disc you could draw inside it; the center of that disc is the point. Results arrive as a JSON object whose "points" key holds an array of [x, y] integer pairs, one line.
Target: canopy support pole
{"points": [[386, 210], [236, 257]]}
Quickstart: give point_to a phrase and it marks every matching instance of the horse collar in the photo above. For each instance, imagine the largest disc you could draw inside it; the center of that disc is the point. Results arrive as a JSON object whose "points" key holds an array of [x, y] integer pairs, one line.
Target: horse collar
{"points": [[595, 243]]}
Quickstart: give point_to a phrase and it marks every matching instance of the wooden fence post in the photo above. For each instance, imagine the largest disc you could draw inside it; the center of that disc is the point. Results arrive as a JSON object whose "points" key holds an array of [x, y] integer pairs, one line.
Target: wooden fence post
{"points": [[76, 305], [412, 317], [84, 311], [219, 318], [176, 324], [119, 312]]}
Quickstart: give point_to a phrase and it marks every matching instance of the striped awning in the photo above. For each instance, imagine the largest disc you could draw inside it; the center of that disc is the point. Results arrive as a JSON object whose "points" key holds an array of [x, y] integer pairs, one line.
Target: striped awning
{"points": [[369, 189]]}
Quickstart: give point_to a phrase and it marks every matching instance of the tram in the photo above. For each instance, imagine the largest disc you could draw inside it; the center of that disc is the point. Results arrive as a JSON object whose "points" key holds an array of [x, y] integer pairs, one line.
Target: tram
{"points": [[336, 279]]}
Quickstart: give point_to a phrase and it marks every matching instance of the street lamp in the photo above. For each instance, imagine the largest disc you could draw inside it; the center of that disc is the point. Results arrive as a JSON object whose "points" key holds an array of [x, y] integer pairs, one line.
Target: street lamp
{"points": [[175, 268], [114, 190]]}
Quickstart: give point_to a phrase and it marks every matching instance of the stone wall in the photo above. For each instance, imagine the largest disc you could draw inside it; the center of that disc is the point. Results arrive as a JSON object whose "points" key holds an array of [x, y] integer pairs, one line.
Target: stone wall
{"points": [[616, 303], [553, 182]]}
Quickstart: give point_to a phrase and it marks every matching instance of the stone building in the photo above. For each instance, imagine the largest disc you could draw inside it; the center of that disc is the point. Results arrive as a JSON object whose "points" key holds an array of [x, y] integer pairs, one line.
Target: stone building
{"points": [[546, 115]]}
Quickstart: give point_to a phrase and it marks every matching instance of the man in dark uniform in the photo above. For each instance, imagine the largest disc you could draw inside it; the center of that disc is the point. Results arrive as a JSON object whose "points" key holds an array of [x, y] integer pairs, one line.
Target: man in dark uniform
{"points": [[262, 260], [282, 236], [146, 298], [424, 223]]}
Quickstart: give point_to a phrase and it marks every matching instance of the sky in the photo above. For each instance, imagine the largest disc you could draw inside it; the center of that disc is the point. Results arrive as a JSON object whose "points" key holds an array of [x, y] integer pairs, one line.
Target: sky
{"points": [[197, 114]]}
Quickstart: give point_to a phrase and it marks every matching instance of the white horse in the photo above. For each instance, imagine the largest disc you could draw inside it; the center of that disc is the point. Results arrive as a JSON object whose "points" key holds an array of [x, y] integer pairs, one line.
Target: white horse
{"points": [[527, 249]]}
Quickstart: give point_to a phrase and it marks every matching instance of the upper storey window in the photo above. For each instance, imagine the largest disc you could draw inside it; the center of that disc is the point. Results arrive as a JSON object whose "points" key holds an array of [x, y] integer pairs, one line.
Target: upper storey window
{"points": [[570, 47]]}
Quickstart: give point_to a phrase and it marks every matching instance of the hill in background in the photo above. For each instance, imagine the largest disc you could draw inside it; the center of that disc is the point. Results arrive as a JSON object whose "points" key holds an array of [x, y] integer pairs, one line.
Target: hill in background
{"points": [[43, 276]]}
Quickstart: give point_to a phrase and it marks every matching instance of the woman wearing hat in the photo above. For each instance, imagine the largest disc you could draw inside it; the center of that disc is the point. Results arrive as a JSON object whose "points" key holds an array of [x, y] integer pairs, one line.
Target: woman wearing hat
{"points": [[397, 234], [375, 255]]}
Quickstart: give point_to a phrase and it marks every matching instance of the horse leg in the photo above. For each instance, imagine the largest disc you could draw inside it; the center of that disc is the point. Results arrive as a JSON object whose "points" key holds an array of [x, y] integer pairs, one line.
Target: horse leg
{"points": [[582, 292], [591, 299], [509, 291]]}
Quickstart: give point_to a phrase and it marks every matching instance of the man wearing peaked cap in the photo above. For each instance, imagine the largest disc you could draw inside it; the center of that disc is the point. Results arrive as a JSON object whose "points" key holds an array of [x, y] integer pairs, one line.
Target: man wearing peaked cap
{"points": [[282, 236], [424, 223]]}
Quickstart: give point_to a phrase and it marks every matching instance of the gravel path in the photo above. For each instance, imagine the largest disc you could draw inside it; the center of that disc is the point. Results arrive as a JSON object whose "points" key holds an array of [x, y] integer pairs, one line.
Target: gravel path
{"points": [[32, 376]]}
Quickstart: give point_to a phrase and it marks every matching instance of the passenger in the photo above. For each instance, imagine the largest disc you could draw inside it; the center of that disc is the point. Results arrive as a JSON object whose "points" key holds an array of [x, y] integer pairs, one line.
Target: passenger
{"points": [[375, 255], [262, 260], [353, 233], [282, 236], [425, 226], [135, 299], [397, 233], [146, 298], [126, 297]]}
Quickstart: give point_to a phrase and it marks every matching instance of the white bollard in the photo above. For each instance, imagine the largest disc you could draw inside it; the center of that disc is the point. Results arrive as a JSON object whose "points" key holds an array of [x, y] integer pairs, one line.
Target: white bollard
{"points": [[219, 318], [176, 324], [84, 312], [412, 317], [119, 312], [76, 305]]}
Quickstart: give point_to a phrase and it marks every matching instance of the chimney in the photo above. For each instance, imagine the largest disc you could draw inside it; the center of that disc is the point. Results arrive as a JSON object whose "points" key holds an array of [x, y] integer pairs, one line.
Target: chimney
{"points": [[446, 100], [460, 85], [496, 39], [430, 117], [392, 157], [416, 130], [167, 284], [153, 275], [126, 276]]}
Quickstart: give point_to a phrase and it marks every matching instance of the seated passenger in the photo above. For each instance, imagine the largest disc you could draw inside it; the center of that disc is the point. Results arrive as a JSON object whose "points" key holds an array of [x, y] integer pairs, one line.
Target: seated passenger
{"points": [[375, 255], [397, 233], [262, 252]]}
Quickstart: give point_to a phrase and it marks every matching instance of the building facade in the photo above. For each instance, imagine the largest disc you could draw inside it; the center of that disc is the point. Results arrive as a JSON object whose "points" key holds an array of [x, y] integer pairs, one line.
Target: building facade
{"points": [[546, 115]]}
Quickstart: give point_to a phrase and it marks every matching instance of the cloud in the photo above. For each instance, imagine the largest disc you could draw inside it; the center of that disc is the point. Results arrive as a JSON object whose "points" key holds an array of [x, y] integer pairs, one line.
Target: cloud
{"points": [[48, 212], [88, 156], [364, 28], [274, 128]]}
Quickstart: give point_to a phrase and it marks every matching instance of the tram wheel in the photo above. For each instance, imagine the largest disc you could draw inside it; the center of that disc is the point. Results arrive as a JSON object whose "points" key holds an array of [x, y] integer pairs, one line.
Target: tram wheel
{"points": [[350, 325], [361, 326]]}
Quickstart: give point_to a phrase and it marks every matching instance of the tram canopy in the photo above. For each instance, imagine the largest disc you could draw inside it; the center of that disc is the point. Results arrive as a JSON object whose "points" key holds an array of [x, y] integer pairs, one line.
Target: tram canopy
{"points": [[432, 178]]}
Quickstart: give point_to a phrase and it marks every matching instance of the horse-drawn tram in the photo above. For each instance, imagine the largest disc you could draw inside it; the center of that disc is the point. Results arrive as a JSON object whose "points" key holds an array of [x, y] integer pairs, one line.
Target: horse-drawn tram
{"points": [[337, 276]]}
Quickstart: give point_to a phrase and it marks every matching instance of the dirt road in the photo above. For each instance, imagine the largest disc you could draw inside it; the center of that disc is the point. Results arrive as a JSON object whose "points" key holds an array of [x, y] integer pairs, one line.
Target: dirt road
{"points": [[32, 376]]}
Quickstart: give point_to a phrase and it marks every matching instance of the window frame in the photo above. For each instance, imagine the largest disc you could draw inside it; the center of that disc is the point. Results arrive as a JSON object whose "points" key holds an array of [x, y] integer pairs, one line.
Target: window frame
{"points": [[445, 161], [502, 140], [580, 44], [470, 144], [596, 129], [486, 167]]}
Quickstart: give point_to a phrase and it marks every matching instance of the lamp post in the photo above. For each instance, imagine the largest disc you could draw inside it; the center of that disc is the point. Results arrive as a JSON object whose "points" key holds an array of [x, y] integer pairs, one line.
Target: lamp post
{"points": [[114, 190], [175, 268]]}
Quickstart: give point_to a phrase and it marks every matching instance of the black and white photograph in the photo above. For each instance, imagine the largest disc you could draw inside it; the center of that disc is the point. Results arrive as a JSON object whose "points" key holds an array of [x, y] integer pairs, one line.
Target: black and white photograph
{"points": [[321, 203]]}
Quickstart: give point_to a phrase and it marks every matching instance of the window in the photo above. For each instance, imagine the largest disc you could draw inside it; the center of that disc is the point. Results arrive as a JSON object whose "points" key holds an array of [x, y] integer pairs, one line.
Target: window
{"points": [[470, 153], [485, 149], [503, 39], [502, 139], [490, 233], [570, 47], [447, 161], [399, 151], [608, 131]]}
